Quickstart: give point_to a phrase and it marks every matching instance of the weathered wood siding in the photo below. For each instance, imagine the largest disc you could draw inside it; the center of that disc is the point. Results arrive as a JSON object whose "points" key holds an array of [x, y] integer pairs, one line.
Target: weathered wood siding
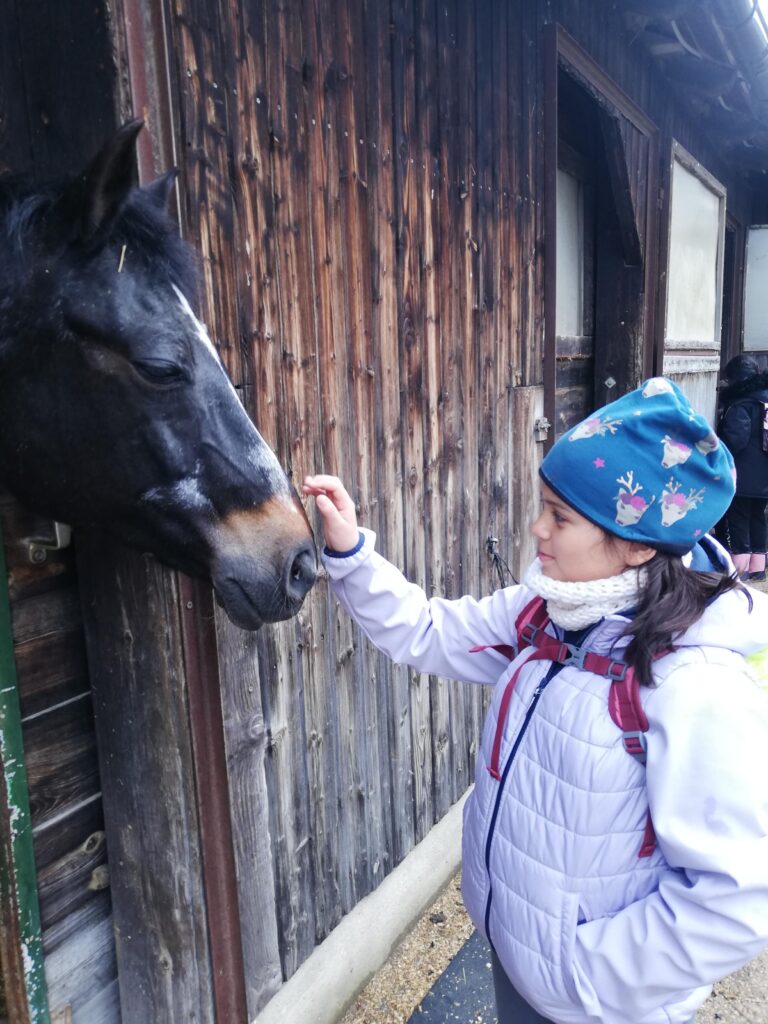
{"points": [[62, 770], [363, 194]]}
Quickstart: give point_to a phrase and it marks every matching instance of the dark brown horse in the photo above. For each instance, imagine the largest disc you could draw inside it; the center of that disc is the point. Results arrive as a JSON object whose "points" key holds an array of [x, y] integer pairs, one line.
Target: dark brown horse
{"points": [[115, 409]]}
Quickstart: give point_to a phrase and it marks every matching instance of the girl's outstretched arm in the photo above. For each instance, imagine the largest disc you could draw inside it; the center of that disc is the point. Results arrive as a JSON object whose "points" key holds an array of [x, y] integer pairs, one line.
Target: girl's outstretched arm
{"points": [[433, 635]]}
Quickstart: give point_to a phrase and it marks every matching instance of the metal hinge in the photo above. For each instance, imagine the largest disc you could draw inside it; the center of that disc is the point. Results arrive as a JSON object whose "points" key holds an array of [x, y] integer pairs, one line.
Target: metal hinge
{"points": [[541, 428], [38, 547]]}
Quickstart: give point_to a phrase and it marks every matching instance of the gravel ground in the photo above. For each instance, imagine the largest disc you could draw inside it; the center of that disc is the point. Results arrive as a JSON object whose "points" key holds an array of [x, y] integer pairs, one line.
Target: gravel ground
{"points": [[399, 987], [396, 990]]}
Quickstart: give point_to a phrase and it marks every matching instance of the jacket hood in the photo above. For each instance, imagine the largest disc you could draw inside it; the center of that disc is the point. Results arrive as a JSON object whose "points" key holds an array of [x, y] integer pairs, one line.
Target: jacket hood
{"points": [[730, 623], [752, 387]]}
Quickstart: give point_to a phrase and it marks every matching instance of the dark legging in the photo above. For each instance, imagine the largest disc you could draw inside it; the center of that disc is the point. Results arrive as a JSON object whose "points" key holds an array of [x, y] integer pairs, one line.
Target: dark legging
{"points": [[746, 525], [511, 1008]]}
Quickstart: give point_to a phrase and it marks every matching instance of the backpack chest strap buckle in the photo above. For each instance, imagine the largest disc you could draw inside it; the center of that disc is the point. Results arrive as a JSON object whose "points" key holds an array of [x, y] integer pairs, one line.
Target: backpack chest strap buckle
{"points": [[635, 744]]}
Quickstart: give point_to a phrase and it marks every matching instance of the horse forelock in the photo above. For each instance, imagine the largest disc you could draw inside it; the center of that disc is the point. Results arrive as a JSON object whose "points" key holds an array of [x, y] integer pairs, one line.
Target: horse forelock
{"points": [[151, 236], [148, 234]]}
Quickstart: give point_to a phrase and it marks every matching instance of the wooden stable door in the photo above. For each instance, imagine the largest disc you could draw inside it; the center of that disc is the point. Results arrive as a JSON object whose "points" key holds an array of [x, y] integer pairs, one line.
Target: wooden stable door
{"points": [[600, 197]]}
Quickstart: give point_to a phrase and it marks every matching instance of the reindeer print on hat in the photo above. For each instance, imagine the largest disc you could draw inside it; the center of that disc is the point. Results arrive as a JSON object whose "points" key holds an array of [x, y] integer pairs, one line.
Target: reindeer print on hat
{"points": [[675, 452], [657, 386], [675, 505], [595, 427], [630, 506]]}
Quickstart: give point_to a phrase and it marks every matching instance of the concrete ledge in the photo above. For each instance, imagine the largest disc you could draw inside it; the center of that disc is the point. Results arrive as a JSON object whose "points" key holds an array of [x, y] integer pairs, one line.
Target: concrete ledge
{"points": [[327, 982]]}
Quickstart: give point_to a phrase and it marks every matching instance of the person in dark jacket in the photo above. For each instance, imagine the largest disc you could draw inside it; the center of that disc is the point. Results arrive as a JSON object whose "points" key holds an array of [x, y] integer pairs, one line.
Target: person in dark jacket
{"points": [[741, 427]]}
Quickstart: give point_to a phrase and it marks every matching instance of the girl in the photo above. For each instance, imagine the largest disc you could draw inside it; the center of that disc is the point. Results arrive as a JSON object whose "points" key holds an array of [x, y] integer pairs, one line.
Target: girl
{"points": [[611, 890]]}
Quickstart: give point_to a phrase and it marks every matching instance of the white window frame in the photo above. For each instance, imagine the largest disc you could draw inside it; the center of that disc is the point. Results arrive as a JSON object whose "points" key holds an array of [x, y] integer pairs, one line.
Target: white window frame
{"points": [[679, 353]]}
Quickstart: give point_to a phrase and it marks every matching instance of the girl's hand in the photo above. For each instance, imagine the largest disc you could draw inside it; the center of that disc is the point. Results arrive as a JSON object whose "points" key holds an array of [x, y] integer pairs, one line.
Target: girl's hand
{"points": [[336, 509]]}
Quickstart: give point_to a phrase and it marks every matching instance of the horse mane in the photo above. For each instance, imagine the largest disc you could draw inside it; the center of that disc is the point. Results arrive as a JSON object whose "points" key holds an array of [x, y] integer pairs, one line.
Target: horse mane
{"points": [[147, 232]]}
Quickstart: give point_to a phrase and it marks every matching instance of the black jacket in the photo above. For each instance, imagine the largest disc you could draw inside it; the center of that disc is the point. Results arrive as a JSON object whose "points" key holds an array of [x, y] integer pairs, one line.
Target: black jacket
{"points": [[741, 427]]}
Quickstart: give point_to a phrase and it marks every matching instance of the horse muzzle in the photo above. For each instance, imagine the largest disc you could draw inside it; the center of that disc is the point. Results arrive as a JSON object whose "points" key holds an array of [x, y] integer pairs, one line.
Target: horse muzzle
{"points": [[252, 592]]}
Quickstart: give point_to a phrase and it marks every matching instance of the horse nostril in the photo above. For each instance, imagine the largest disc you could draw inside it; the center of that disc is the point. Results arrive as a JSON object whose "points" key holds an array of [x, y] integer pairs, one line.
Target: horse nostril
{"points": [[302, 572]]}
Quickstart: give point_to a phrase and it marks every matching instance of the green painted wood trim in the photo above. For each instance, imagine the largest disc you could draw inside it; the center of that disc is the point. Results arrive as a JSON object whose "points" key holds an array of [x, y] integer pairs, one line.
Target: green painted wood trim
{"points": [[19, 878]]}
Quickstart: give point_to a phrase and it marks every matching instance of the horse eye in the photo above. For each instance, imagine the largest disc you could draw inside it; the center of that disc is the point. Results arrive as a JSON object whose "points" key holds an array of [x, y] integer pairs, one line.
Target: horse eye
{"points": [[159, 371]]}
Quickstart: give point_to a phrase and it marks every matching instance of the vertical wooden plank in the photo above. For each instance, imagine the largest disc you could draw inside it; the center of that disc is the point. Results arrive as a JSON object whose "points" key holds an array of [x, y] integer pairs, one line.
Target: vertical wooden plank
{"points": [[424, 242], [66, 51], [15, 142], [410, 319], [246, 751], [460, 378], [322, 701], [550, 225], [165, 972], [388, 479], [256, 128], [203, 65], [454, 193], [488, 371], [361, 763]]}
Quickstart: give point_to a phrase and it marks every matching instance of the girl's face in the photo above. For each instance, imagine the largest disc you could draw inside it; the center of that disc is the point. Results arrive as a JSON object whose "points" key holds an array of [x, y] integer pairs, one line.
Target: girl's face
{"points": [[574, 550]]}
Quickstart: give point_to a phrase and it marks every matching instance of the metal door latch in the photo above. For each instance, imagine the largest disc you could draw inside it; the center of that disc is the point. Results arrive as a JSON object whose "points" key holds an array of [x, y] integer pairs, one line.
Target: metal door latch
{"points": [[38, 547], [541, 428]]}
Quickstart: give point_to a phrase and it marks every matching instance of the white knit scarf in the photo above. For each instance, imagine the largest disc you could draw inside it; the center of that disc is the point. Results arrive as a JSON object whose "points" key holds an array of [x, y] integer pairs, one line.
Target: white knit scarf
{"points": [[576, 605]]}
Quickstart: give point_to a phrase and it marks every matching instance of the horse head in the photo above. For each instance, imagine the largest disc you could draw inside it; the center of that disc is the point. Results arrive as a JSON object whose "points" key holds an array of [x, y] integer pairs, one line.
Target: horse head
{"points": [[115, 409]]}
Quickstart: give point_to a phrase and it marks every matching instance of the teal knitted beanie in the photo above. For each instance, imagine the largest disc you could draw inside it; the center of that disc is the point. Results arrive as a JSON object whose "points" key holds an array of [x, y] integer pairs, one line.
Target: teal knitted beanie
{"points": [[646, 468]]}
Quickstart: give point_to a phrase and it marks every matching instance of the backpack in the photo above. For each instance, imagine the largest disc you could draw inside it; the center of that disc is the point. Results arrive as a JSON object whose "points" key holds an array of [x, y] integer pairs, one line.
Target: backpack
{"points": [[624, 704], [764, 435]]}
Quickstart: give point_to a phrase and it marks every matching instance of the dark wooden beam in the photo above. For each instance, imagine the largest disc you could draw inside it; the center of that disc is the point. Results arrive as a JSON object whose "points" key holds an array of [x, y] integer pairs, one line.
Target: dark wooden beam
{"points": [[622, 193]]}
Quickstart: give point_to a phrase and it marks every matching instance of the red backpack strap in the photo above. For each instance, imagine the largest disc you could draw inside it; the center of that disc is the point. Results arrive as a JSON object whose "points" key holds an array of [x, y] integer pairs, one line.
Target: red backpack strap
{"points": [[627, 711], [530, 621], [527, 624]]}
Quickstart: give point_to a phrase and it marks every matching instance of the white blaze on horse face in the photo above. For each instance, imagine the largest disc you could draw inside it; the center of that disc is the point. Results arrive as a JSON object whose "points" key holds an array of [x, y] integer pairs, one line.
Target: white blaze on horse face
{"points": [[259, 454], [184, 493]]}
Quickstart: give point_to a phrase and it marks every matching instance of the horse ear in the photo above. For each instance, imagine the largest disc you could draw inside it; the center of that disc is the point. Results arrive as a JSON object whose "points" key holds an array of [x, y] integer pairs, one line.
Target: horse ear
{"points": [[96, 196], [160, 189]]}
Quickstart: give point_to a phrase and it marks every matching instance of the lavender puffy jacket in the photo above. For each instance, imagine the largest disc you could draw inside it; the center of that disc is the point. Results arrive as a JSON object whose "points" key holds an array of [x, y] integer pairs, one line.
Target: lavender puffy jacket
{"points": [[587, 930]]}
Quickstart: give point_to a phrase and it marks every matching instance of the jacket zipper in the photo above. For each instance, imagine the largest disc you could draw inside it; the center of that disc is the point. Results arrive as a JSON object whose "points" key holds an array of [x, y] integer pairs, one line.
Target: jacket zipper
{"points": [[553, 670], [523, 728]]}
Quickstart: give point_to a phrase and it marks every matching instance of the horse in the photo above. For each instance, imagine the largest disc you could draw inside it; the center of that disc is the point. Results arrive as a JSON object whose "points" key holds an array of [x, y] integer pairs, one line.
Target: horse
{"points": [[116, 412]]}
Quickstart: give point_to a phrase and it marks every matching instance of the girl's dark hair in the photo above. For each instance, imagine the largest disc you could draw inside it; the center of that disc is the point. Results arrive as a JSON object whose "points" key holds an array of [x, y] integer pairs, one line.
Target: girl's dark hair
{"points": [[673, 598]]}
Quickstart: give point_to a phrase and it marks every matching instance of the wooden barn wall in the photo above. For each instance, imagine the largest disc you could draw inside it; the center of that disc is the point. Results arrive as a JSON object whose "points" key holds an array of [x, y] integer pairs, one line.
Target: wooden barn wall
{"points": [[44, 82], [361, 185], [365, 182]]}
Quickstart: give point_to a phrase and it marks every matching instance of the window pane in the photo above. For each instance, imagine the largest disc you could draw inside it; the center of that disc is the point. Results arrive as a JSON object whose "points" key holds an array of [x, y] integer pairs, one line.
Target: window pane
{"points": [[570, 257], [756, 291], [693, 267]]}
